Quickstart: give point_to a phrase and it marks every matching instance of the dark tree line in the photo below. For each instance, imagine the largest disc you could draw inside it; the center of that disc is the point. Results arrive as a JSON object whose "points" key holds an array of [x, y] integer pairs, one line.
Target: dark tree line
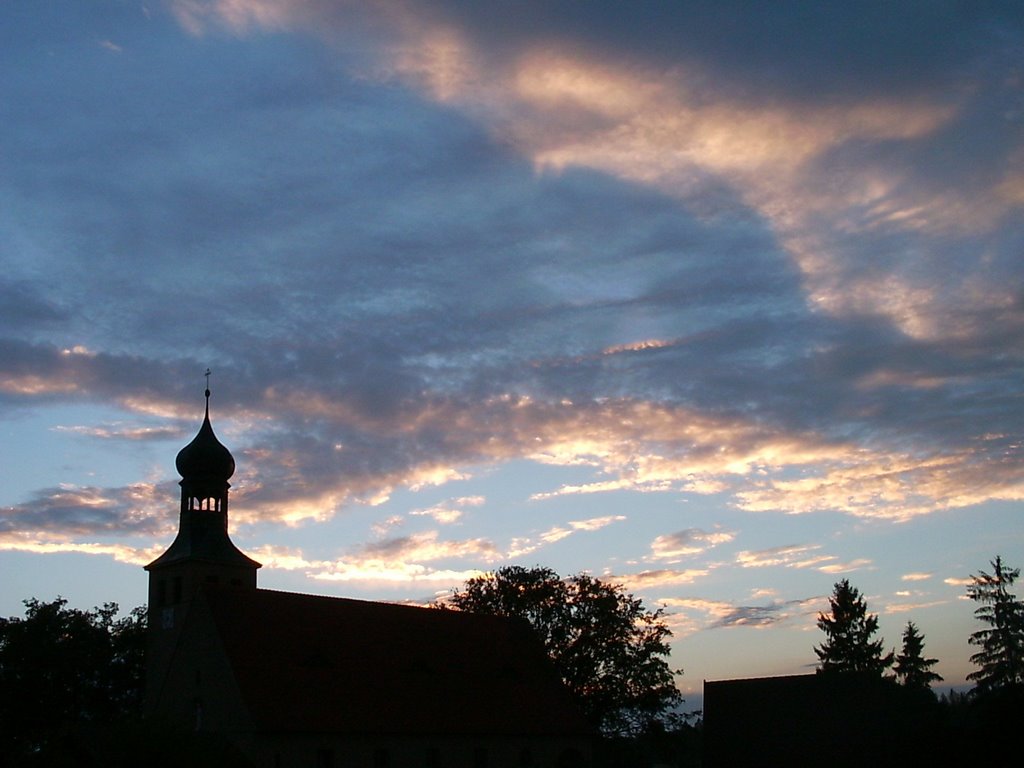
{"points": [[974, 726], [64, 671], [63, 668], [850, 646]]}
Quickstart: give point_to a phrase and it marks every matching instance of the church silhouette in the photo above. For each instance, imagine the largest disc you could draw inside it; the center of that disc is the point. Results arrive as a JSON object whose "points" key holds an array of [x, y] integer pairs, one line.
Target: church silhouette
{"points": [[302, 680]]}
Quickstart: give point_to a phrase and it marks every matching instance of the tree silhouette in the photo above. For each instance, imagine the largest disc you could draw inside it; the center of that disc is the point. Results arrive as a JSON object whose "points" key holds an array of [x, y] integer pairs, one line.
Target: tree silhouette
{"points": [[61, 668], [1001, 658], [848, 628], [912, 669], [609, 650]]}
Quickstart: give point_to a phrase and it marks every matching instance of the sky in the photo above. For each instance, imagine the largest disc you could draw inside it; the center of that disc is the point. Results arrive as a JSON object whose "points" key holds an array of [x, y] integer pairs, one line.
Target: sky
{"points": [[721, 301]]}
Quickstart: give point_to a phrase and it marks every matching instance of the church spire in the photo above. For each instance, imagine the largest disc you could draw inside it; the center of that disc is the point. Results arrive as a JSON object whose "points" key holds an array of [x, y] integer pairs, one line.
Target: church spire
{"points": [[205, 466]]}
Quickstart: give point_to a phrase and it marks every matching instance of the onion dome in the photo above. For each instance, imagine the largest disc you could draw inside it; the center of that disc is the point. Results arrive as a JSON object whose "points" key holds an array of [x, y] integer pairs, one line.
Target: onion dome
{"points": [[205, 458]]}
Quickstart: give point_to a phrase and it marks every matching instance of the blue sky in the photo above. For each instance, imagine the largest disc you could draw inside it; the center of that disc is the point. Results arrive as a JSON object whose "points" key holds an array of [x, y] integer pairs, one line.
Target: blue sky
{"points": [[722, 302]]}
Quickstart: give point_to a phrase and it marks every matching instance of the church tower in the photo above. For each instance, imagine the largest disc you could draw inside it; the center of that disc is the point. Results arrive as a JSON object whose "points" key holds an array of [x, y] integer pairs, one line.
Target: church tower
{"points": [[201, 554]]}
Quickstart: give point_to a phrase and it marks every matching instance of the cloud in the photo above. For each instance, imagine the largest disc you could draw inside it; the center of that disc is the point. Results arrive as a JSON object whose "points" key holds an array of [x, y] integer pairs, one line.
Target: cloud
{"points": [[847, 567], [606, 241], [122, 553], [123, 432], [399, 560], [916, 576], [907, 607], [521, 546], [799, 556], [897, 488], [691, 541], [701, 614], [451, 511], [77, 511], [955, 581], [643, 580], [789, 555], [595, 523], [425, 547], [359, 568]]}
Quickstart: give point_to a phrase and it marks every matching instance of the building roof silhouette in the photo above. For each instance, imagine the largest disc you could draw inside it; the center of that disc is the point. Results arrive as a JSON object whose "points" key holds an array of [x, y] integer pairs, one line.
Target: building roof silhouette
{"points": [[327, 664]]}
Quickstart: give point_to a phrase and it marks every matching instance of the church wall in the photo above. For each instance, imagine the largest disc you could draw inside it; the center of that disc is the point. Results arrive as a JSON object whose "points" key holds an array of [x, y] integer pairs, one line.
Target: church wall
{"points": [[199, 691], [172, 590]]}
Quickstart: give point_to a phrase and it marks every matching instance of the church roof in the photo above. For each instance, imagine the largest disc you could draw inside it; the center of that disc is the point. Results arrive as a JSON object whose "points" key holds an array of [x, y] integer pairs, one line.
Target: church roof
{"points": [[203, 538], [205, 457], [324, 664]]}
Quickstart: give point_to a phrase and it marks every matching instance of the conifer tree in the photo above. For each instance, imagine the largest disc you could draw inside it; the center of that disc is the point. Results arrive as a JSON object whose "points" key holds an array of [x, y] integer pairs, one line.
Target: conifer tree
{"points": [[912, 669], [1000, 661], [849, 627]]}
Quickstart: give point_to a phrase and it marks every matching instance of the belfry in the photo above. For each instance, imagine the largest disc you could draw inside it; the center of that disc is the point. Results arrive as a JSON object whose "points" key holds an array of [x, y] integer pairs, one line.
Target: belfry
{"points": [[202, 550]]}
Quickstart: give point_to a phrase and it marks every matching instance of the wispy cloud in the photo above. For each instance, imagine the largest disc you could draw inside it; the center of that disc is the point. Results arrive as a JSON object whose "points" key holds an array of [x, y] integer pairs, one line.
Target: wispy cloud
{"points": [[789, 556], [451, 511], [522, 546], [717, 614], [644, 580], [958, 581], [692, 541], [848, 567], [908, 607]]}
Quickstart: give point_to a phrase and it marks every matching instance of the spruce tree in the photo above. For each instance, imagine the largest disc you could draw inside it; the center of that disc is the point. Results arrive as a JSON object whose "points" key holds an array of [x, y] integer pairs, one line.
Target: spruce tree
{"points": [[912, 669], [849, 627], [1000, 661]]}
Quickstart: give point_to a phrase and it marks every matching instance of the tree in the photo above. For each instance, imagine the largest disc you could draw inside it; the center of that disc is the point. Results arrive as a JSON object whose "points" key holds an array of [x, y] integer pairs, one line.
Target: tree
{"points": [[912, 669], [1001, 658], [61, 668], [849, 627], [609, 650]]}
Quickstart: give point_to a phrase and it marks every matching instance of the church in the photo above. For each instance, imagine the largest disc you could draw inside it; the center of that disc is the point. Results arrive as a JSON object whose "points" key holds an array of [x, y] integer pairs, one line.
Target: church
{"points": [[295, 680]]}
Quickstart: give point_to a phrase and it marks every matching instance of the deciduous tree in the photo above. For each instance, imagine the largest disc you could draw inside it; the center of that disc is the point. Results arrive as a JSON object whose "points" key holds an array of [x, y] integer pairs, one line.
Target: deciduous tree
{"points": [[912, 669], [1000, 660], [609, 650], [848, 628], [61, 668]]}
